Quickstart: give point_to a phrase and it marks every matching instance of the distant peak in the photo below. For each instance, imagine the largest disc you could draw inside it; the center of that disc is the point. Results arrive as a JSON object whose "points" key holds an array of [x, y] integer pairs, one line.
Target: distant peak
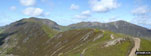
{"points": [[90, 22], [34, 18], [120, 21]]}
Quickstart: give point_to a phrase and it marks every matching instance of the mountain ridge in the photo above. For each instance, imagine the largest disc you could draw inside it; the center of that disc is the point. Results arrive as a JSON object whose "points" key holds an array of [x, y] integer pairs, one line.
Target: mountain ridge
{"points": [[38, 37], [116, 26]]}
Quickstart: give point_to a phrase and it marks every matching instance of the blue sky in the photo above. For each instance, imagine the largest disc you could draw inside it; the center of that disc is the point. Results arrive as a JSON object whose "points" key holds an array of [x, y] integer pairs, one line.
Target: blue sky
{"points": [[66, 12]]}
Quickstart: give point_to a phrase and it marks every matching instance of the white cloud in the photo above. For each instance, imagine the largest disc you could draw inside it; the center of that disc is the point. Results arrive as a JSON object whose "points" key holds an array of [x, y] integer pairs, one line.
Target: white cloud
{"points": [[28, 2], [103, 5], [31, 11], [74, 7], [142, 20], [87, 12], [13, 8], [84, 15], [142, 16], [140, 10]]}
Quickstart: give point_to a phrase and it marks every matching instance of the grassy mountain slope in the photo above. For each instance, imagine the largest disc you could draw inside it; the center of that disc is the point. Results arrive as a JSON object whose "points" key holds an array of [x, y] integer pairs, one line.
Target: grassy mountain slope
{"points": [[145, 45], [1, 29], [97, 48], [32, 37], [42, 37], [71, 43], [25, 34]]}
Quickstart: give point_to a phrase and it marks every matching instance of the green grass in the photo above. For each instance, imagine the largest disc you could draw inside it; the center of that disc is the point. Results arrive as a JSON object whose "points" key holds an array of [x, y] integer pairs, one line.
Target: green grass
{"points": [[50, 32], [5, 51], [1, 30], [145, 46], [30, 20], [116, 50], [95, 48], [73, 54], [9, 50], [64, 28], [96, 30]]}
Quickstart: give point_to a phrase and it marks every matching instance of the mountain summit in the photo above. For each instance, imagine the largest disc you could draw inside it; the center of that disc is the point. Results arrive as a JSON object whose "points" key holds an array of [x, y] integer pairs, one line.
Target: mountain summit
{"points": [[26, 33]]}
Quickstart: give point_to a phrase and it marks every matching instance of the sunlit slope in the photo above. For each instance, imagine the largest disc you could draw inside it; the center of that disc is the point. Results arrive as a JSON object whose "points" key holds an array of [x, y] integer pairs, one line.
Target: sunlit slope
{"points": [[86, 42], [116, 26], [145, 45], [24, 36], [40, 37], [104, 46]]}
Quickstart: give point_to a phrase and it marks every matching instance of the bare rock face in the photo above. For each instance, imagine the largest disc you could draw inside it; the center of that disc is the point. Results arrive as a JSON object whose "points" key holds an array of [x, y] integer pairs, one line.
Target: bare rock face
{"points": [[114, 42]]}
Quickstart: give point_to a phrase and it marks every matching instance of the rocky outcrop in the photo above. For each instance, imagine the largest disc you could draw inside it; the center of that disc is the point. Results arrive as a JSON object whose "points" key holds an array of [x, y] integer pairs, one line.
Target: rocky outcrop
{"points": [[114, 42]]}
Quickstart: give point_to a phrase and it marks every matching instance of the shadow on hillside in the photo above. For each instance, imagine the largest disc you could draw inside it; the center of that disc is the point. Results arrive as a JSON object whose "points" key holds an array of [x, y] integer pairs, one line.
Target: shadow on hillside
{"points": [[20, 23], [3, 36]]}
